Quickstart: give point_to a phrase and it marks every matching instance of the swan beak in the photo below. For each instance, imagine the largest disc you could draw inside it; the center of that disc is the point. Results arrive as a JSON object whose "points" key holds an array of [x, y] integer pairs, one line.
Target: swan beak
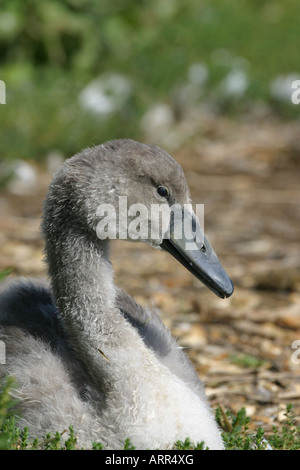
{"points": [[197, 255]]}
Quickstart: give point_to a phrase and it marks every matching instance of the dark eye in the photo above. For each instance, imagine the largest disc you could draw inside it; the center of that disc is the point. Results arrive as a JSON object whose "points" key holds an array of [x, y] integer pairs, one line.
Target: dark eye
{"points": [[163, 191]]}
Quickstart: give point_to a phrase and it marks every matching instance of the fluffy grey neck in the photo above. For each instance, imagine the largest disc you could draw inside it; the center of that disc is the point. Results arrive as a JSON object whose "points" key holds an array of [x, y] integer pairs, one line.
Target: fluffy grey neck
{"points": [[82, 283]]}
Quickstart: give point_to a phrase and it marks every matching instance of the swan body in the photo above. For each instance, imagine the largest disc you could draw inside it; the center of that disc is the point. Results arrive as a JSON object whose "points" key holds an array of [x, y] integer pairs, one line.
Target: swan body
{"points": [[82, 351]]}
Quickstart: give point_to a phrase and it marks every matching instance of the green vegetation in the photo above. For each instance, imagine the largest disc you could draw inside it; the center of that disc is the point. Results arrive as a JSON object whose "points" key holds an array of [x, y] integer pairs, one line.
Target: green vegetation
{"points": [[222, 53], [4, 273], [246, 360], [237, 433]]}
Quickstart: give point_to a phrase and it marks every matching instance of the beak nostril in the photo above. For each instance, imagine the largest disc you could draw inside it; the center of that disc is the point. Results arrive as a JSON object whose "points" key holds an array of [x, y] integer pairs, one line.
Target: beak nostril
{"points": [[201, 247]]}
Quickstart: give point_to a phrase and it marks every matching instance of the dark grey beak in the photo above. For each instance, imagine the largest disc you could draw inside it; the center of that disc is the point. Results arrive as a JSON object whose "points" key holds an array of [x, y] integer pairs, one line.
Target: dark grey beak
{"points": [[195, 253]]}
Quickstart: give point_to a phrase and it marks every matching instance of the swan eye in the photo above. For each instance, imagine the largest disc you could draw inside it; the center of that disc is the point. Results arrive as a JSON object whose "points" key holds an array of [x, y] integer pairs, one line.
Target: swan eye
{"points": [[163, 191]]}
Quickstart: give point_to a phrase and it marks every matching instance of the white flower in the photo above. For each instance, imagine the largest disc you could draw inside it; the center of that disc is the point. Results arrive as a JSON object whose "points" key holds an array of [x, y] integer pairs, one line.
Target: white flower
{"points": [[235, 84], [106, 94]]}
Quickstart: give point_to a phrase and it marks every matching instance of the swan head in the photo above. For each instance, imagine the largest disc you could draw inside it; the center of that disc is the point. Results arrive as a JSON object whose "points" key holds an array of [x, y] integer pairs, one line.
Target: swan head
{"points": [[123, 189]]}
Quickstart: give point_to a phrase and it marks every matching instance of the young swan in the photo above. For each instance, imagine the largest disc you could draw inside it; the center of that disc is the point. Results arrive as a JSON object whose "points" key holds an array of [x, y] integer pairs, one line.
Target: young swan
{"points": [[83, 352]]}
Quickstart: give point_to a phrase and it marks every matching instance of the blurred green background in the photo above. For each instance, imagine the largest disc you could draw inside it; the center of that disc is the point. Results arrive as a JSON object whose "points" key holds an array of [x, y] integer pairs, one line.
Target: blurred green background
{"points": [[79, 72]]}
